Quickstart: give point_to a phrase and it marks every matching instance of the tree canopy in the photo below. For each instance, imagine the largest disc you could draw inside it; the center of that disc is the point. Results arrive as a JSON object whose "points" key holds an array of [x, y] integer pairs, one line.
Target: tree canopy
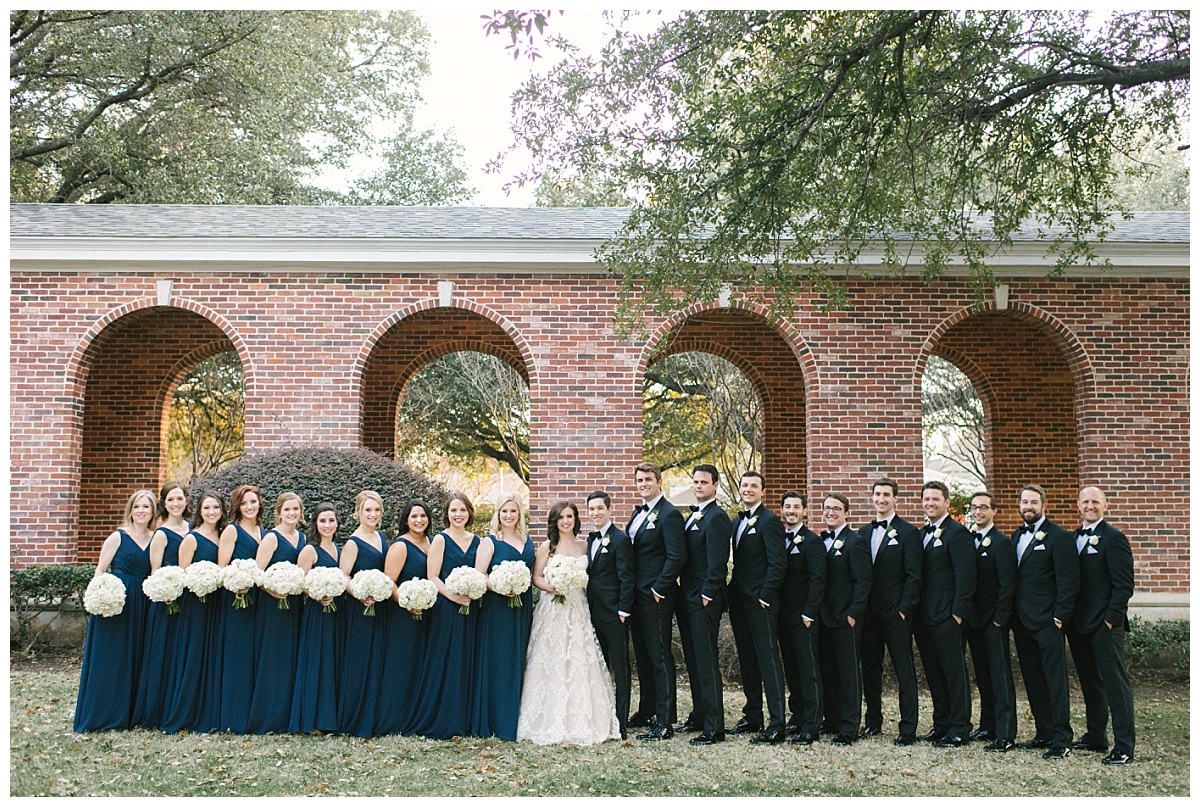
{"points": [[769, 149], [221, 107]]}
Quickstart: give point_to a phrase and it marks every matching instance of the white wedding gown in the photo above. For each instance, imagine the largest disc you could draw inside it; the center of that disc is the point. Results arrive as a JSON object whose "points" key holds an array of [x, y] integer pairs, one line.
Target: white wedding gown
{"points": [[567, 696]]}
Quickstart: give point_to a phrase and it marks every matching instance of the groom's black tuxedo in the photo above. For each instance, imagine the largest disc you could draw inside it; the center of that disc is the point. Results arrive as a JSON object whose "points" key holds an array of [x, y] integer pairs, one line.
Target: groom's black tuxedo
{"points": [[610, 592], [707, 536], [800, 596], [847, 589]]}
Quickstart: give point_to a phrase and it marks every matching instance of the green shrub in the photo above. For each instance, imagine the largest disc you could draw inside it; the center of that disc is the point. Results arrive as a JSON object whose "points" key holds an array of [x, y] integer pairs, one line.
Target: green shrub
{"points": [[38, 588], [1158, 643], [328, 475]]}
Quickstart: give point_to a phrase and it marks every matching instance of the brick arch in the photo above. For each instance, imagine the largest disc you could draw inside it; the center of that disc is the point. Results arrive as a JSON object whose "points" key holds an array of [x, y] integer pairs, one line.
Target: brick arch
{"points": [[772, 355], [128, 361], [983, 388], [413, 337], [1037, 384], [171, 382]]}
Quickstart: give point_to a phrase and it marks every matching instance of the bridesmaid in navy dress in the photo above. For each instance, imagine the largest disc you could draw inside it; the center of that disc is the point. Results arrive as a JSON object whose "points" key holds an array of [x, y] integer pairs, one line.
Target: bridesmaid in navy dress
{"points": [[156, 683], [239, 540], [314, 698], [407, 557], [448, 675], [365, 636], [503, 632], [112, 651], [195, 700], [277, 630]]}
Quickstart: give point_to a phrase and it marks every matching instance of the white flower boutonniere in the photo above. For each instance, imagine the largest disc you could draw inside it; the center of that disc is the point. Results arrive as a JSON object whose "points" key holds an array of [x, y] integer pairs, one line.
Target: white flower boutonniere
{"points": [[752, 522], [838, 543], [798, 539], [604, 541], [1093, 539], [937, 533], [891, 533], [653, 517], [986, 542], [1040, 536]]}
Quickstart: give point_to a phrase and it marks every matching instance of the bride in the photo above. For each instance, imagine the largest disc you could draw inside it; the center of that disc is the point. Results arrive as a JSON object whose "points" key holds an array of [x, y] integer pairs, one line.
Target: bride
{"points": [[567, 696]]}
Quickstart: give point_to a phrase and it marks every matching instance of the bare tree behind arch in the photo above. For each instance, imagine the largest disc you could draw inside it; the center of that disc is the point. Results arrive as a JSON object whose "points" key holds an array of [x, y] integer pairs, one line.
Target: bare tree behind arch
{"points": [[206, 418], [952, 425]]}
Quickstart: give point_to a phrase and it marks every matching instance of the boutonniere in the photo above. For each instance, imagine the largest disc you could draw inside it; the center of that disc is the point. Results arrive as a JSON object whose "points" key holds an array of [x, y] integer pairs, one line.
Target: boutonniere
{"points": [[1039, 536], [653, 517], [937, 533], [752, 522], [986, 542], [798, 539], [838, 543], [1093, 539], [604, 541], [891, 533]]}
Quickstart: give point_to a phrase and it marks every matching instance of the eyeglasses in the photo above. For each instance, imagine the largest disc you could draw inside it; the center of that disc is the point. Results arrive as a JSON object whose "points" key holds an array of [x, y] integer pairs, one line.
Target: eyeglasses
{"points": [[981, 507], [832, 509]]}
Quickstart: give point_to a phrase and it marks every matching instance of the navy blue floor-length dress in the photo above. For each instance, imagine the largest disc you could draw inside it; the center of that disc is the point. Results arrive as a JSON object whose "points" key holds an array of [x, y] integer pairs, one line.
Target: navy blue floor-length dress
{"points": [[157, 676], [276, 643], [362, 661], [194, 701], [237, 645], [314, 697], [404, 653]]}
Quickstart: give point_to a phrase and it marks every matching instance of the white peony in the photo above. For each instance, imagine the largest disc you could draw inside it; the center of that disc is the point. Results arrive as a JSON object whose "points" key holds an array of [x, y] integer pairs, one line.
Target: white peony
{"points": [[469, 582], [105, 595], [566, 575], [325, 581], [240, 576], [370, 583], [511, 579], [416, 595], [165, 585], [203, 578], [283, 578]]}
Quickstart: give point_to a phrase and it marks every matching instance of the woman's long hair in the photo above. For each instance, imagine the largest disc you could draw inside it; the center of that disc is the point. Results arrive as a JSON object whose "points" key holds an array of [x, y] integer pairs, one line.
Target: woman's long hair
{"points": [[411, 505], [555, 512], [512, 497], [314, 537]]}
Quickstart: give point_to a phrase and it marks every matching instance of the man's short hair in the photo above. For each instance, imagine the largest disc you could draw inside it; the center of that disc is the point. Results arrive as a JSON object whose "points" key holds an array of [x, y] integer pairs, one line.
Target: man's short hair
{"points": [[888, 483], [845, 502], [648, 468], [599, 494], [711, 470], [991, 499], [936, 485], [793, 494], [1038, 489], [761, 481]]}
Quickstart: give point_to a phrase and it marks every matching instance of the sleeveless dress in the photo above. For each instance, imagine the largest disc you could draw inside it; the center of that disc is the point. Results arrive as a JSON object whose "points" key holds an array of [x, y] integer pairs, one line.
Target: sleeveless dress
{"points": [[156, 681], [237, 645], [363, 657], [276, 639], [314, 698], [112, 651], [503, 638], [404, 653], [194, 701], [443, 708], [567, 695]]}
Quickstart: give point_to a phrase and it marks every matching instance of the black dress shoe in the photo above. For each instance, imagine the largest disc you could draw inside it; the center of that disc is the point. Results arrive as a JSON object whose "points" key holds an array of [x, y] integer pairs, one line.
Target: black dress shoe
{"points": [[1117, 758], [660, 732], [906, 739], [950, 741], [744, 726], [933, 736], [803, 739], [1057, 752], [869, 731], [843, 739], [639, 720], [707, 739], [1000, 746], [981, 736], [1084, 744], [769, 737], [791, 728], [1034, 744], [688, 725]]}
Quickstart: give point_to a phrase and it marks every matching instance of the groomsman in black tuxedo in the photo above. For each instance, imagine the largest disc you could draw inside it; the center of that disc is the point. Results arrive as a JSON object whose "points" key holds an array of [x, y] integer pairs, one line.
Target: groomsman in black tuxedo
{"points": [[1097, 630], [759, 563], [610, 596], [800, 600], [947, 589], [895, 589], [847, 590], [707, 532], [659, 551], [987, 627], [1044, 602]]}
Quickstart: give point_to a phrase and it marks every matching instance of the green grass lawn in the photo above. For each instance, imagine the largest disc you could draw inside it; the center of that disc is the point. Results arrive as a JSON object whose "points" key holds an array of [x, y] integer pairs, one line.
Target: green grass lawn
{"points": [[47, 758]]}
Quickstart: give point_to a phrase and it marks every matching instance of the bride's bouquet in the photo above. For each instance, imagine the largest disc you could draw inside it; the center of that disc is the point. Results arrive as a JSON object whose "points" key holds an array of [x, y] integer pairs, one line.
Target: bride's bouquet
{"points": [[566, 575], [240, 576], [370, 583], [165, 585], [203, 577], [469, 582], [511, 579], [325, 581], [416, 596], [283, 578], [105, 595]]}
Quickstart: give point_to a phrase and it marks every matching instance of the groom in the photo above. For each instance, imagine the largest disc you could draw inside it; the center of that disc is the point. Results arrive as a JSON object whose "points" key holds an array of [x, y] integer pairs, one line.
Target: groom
{"points": [[610, 596]]}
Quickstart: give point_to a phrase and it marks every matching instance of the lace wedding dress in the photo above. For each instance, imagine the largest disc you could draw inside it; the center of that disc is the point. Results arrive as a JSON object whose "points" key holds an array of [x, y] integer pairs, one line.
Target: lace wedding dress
{"points": [[567, 696]]}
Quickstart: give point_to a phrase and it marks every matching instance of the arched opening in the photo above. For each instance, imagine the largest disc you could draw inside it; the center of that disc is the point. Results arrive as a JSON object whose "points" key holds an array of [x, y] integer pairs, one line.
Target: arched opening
{"points": [[954, 430], [133, 368], [206, 417]]}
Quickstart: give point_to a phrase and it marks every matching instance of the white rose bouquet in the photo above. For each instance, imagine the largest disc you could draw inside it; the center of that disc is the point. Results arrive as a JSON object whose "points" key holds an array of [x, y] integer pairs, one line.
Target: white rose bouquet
{"points": [[372, 584], [240, 576], [105, 595], [325, 581], [416, 595], [511, 579], [203, 578], [283, 578], [566, 575], [165, 585], [469, 582]]}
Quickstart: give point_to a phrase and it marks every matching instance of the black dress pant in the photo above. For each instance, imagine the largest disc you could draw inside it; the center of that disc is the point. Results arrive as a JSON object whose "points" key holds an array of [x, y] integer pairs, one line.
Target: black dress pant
{"points": [[1100, 663], [841, 693], [756, 634], [684, 621], [798, 646], [613, 635], [946, 673], [655, 659], [993, 676], [1043, 658], [708, 707], [893, 634]]}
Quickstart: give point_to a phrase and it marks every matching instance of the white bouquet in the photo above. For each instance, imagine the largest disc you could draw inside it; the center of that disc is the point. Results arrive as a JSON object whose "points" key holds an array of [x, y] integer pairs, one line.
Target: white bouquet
{"points": [[165, 585], [372, 584], [511, 579], [240, 576], [105, 595], [566, 575], [203, 578], [416, 595], [325, 581], [469, 582], [283, 578]]}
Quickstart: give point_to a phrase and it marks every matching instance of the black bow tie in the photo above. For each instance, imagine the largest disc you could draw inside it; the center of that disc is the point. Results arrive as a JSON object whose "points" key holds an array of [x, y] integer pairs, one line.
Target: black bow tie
{"points": [[594, 536], [695, 508], [826, 535], [790, 534], [878, 524], [1086, 531], [1029, 529], [977, 534], [743, 514], [930, 528], [641, 508]]}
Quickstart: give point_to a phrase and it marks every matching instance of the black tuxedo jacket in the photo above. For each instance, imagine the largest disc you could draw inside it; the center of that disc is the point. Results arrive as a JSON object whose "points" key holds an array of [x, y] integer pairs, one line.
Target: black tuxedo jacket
{"points": [[707, 560], [847, 579], [1047, 578], [759, 560], [1105, 581], [996, 580], [658, 551], [896, 570], [948, 573], [804, 581], [610, 576]]}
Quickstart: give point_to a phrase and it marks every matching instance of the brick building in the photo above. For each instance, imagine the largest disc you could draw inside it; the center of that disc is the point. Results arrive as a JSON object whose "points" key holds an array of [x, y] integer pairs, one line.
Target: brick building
{"points": [[1084, 379]]}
